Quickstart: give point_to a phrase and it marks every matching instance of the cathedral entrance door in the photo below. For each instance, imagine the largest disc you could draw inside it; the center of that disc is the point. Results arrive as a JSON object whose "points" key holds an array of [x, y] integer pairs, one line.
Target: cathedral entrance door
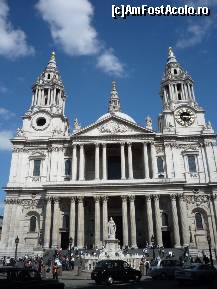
{"points": [[64, 240], [166, 239]]}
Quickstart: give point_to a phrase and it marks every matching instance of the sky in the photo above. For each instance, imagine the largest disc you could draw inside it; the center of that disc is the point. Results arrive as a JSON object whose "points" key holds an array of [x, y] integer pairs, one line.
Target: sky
{"points": [[92, 49]]}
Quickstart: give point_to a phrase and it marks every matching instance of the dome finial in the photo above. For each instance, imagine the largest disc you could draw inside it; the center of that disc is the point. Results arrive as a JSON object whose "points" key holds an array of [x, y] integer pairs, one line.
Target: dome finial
{"points": [[53, 56], [171, 55], [114, 103]]}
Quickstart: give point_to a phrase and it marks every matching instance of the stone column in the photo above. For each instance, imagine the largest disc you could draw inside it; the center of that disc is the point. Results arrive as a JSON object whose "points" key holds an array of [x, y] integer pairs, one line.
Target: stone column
{"points": [[81, 163], [149, 218], [125, 221], [55, 223], [158, 221], [153, 160], [72, 220], [74, 163], [145, 157], [133, 221], [97, 221], [169, 160], [12, 223], [6, 222], [104, 161], [105, 217], [184, 224], [130, 160], [175, 221], [123, 165], [80, 235], [47, 224], [97, 161]]}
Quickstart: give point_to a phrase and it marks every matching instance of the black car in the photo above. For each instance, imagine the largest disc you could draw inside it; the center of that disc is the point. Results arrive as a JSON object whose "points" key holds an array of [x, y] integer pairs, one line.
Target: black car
{"points": [[25, 278], [114, 270]]}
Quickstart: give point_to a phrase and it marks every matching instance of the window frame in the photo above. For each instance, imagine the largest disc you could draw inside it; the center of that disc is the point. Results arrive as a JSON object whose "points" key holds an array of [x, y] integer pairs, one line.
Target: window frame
{"points": [[30, 224], [34, 167], [201, 227]]}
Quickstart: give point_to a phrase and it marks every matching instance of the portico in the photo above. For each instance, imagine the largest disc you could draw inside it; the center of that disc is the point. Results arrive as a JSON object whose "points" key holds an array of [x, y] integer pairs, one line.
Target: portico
{"points": [[134, 214]]}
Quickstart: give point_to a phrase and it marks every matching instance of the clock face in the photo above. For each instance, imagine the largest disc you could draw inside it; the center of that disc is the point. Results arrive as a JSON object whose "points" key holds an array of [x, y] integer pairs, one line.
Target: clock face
{"points": [[185, 116]]}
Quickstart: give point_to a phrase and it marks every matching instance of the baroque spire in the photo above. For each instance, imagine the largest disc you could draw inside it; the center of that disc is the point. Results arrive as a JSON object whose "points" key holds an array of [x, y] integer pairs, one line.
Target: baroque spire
{"points": [[114, 102], [48, 90], [171, 56]]}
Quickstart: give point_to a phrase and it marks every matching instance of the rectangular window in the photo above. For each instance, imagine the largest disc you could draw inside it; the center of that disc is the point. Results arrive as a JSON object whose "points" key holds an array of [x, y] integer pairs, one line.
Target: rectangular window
{"points": [[192, 164], [68, 167], [37, 166]]}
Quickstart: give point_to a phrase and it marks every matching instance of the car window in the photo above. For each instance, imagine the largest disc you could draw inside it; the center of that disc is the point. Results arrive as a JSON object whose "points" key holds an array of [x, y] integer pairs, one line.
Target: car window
{"points": [[126, 265], [109, 265], [99, 265]]}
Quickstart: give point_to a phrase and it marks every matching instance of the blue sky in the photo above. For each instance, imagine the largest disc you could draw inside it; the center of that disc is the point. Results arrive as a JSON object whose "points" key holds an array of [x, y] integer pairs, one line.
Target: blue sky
{"points": [[92, 49]]}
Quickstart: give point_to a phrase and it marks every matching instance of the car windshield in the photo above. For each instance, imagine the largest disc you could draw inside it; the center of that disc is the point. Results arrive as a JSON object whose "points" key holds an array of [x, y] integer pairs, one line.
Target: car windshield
{"points": [[154, 263], [100, 265]]}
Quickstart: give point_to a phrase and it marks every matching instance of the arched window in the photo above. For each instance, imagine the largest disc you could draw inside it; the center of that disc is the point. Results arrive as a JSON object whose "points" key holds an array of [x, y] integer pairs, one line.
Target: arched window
{"points": [[165, 219], [160, 165], [175, 71], [33, 220], [199, 221]]}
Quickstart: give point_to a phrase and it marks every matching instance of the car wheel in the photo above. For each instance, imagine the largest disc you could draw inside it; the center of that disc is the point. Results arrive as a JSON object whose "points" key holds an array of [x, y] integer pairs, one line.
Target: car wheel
{"points": [[163, 276], [137, 278], [110, 280]]}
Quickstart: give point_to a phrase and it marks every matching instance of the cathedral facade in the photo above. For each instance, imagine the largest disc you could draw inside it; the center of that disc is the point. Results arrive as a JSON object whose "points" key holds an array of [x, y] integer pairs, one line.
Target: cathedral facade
{"points": [[158, 186]]}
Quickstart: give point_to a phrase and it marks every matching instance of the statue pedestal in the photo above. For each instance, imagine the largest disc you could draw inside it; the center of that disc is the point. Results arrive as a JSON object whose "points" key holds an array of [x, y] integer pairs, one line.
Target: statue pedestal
{"points": [[112, 246]]}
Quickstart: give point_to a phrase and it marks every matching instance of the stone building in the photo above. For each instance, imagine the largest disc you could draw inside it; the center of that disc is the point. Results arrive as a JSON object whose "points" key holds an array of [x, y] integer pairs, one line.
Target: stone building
{"points": [[66, 184]]}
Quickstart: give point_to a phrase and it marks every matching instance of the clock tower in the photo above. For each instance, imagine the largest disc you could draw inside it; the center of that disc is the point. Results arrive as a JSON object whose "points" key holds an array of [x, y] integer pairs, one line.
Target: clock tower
{"points": [[181, 113], [45, 117]]}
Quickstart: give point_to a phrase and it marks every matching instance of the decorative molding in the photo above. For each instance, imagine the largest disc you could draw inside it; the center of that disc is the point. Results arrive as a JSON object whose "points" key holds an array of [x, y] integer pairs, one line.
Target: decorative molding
{"points": [[56, 149], [124, 198], [96, 199], [132, 198], [197, 200], [173, 197], [80, 199], [112, 127], [105, 198], [31, 204]]}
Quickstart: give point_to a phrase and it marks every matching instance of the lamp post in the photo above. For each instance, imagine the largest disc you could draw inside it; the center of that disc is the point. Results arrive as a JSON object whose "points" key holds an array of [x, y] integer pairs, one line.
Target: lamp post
{"points": [[70, 250], [16, 245], [153, 245], [210, 250]]}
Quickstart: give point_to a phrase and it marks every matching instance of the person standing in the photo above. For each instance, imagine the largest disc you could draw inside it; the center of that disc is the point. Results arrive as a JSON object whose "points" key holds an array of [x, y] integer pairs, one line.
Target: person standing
{"points": [[55, 271]]}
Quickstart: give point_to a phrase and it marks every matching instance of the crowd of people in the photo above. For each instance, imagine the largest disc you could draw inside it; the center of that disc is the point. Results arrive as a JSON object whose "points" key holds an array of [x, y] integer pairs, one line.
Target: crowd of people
{"points": [[62, 261]]}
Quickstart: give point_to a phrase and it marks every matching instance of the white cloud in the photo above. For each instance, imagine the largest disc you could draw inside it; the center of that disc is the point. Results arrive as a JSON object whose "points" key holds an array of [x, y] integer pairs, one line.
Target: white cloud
{"points": [[13, 41], [195, 33], [6, 114], [71, 27], [5, 136], [109, 63]]}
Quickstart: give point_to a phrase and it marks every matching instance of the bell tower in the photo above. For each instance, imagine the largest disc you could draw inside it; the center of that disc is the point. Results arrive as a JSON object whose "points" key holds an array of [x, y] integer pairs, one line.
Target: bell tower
{"points": [[46, 114], [181, 114]]}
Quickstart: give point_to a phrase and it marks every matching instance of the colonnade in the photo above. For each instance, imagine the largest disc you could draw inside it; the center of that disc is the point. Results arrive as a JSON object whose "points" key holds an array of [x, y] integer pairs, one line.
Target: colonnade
{"points": [[78, 163], [153, 220]]}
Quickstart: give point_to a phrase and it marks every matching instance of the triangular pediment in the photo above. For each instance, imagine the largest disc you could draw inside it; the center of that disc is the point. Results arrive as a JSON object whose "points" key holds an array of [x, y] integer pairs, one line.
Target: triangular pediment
{"points": [[112, 125]]}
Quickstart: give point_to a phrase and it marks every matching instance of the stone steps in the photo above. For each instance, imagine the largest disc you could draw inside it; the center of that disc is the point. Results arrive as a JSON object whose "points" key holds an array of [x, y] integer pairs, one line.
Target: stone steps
{"points": [[194, 253]]}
